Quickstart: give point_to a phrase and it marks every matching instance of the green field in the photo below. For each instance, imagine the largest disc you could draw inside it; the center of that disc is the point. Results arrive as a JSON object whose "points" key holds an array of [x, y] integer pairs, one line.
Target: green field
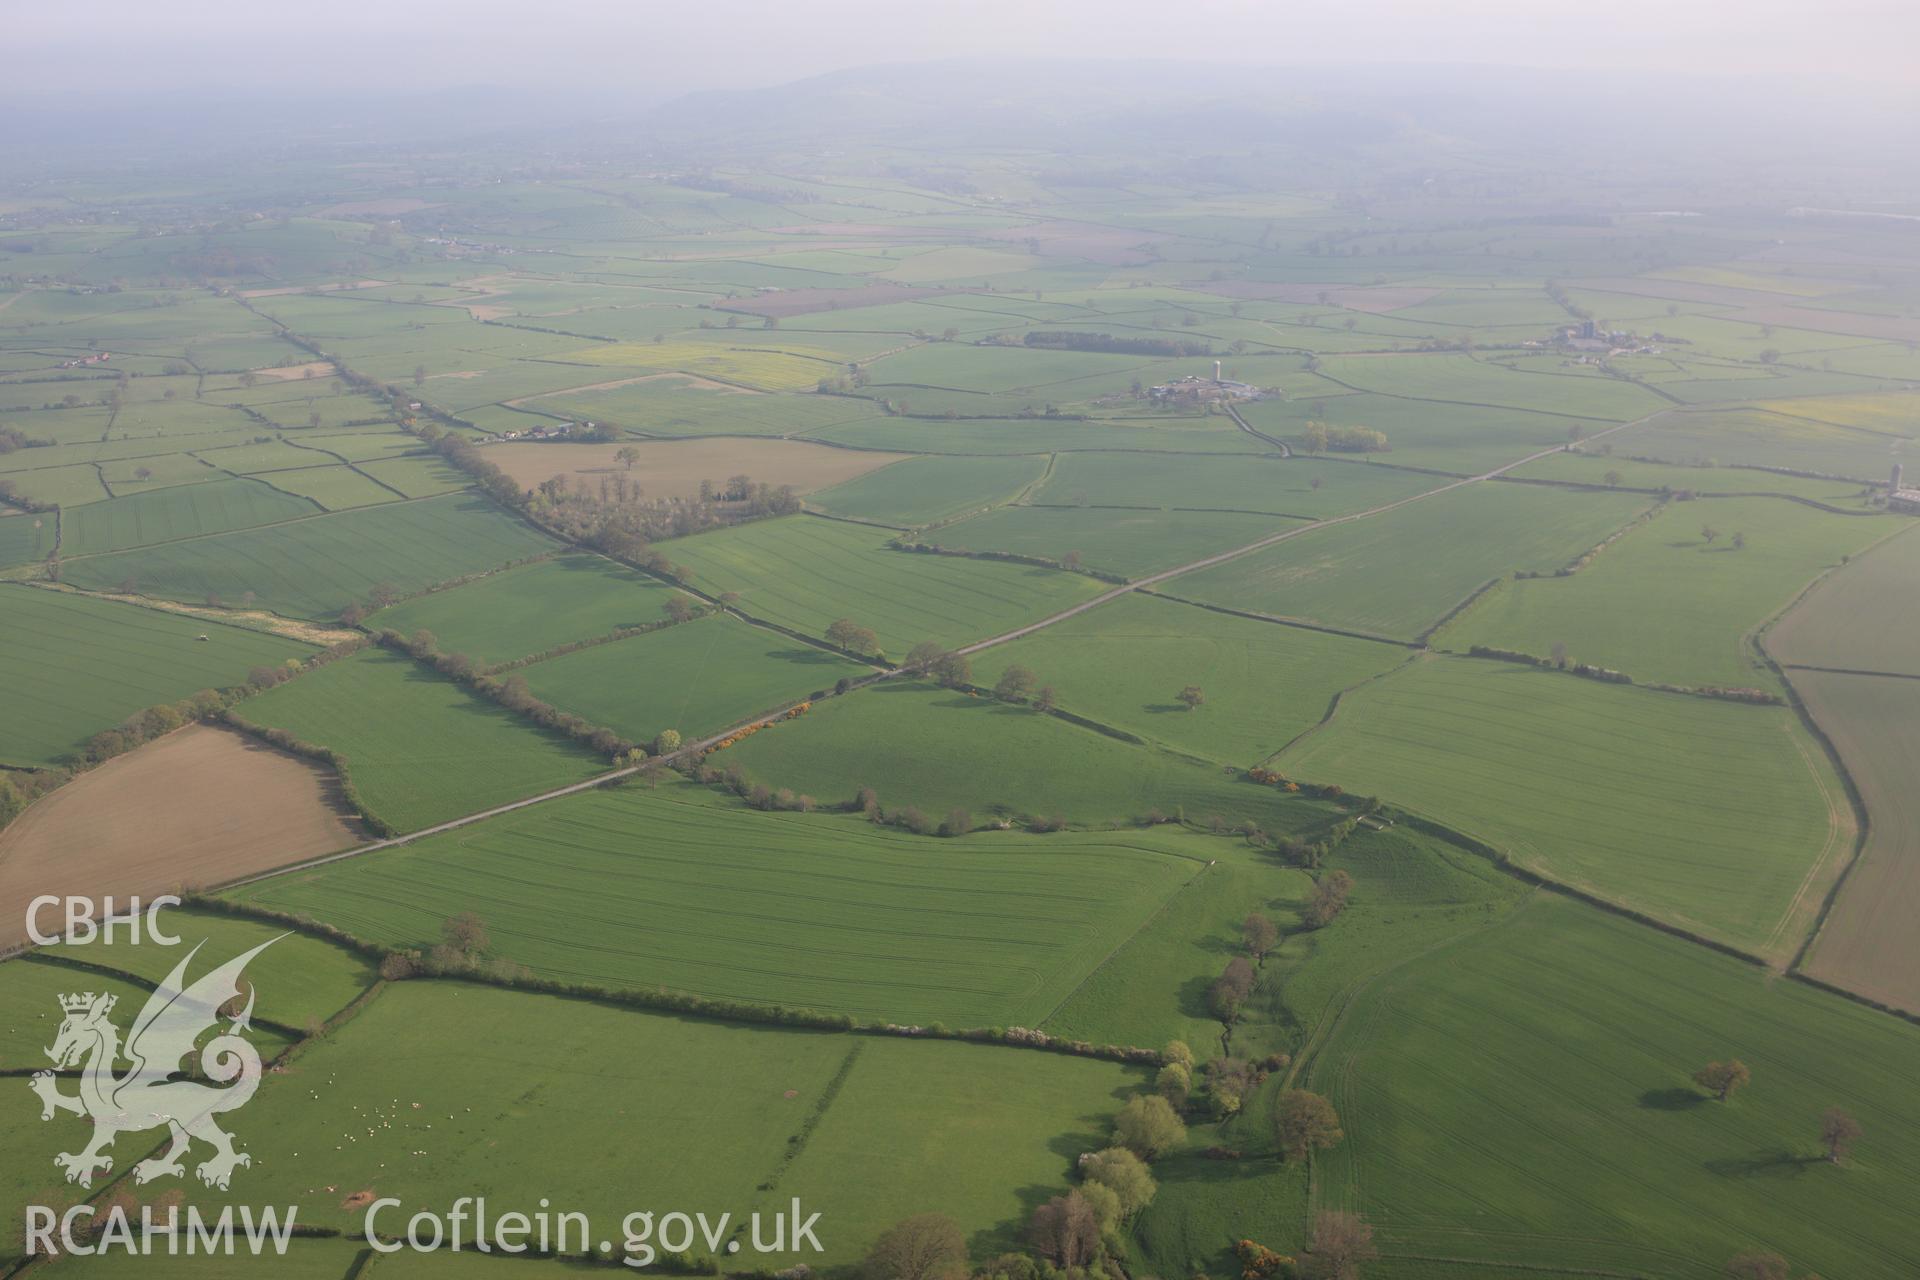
{"points": [[337, 488], [1271, 485], [434, 751], [679, 888], [1516, 903], [315, 568], [532, 608], [696, 678], [26, 539], [168, 515], [421, 477], [1735, 823], [982, 1131], [1594, 468], [1709, 596], [1867, 943], [1412, 893], [920, 491], [71, 666], [1123, 663], [1754, 438], [936, 749], [301, 981], [803, 572], [1562, 1041], [1465, 380], [1398, 573], [716, 1101], [1863, 617], [1130, 543]]}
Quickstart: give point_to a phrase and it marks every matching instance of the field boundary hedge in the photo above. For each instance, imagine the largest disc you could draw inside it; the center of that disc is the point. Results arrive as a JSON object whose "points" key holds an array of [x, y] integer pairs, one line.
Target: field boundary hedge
{"points": [[462, 670], [1007, 557], [1301, 623], [1473, 597]]}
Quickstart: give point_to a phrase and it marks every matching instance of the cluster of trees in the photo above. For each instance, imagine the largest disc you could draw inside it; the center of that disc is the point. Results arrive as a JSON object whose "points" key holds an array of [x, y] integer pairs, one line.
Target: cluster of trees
{"points": [[735, 779], [613, 517], [1328, 899], [1020, 686], [1230, 990], [844, 384], [958, 821], [845, 633], [952, 670], [18, 790], [12, 438], [11, 496], [1073, 340], [1321, 438], [1077, 1234]]}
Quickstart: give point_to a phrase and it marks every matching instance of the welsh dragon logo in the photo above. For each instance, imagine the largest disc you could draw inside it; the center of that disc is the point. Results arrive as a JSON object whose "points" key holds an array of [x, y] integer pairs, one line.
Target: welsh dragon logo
{"points": [[148, 1095]]}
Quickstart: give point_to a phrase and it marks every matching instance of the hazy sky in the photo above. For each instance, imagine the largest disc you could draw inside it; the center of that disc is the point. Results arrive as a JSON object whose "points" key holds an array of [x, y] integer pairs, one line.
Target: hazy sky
{"points": [[657, 46]]}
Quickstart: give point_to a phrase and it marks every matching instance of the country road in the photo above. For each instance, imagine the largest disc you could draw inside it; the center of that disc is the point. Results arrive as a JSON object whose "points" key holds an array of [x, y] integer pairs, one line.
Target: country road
{"points": [[1273, 539]]}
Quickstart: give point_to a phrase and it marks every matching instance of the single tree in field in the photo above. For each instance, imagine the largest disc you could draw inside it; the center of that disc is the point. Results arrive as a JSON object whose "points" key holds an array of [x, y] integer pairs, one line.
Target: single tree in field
{"points": [[952, 669], [1316, 482], [143, 473], [1260, 935], [1612, 479], [678, 608], [1045, 699], [1015, 683], [1340, 1244], [1558, 654], [929, 1246], [1303, 1122], [1757, 1264], [1147, 1126], [419, 375], [921, 657], [1739, 541], [667, 742], [467, 934], [1723, 1079], [1328, 899], [1231, 989], [1710, 533], [628, 455], [1191, 696], [1174, 1082], [1065, 1231], [1838, 1132]]}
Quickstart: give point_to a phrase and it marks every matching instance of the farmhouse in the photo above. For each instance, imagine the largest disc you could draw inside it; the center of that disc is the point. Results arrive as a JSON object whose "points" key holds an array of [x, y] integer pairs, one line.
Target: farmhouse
{"points": [[1197, 390], [1900, 497]]}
